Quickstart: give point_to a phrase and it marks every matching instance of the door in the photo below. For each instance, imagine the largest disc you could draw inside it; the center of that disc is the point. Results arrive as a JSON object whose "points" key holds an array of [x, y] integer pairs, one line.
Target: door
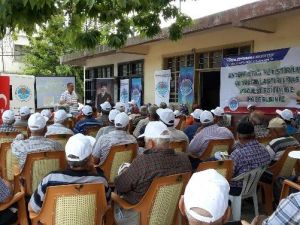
{"points": [[210, 89]]}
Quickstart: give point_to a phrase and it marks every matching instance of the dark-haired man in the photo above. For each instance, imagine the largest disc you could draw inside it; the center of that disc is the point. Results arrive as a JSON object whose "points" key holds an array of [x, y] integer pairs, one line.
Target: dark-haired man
{"points": [[70, 98]]}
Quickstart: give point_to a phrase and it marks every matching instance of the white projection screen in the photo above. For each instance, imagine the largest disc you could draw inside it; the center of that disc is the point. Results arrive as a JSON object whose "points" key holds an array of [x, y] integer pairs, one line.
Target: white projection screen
{"points": [[49, 90]]}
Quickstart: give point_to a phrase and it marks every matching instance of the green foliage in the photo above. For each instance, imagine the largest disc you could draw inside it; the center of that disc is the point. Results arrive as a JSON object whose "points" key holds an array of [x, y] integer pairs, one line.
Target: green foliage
{"points": [[42, 57], [93, 22]]}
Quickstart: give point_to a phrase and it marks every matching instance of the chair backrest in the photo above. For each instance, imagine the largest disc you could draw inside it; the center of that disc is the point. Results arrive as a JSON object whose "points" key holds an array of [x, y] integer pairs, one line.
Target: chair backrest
{"points": [[73, 204], [92, 131], [159, 204], [7, 136], [23, 130], [179, 146], [225, 167], [8, 161], [38, 165], [221, 145], [265, 140], [60, 138], [286, 188], [118, 155]]}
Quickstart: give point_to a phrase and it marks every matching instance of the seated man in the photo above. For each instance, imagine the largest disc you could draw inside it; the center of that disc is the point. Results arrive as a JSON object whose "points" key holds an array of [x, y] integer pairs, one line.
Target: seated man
{"points": [[8, 119], [7, 216], [281, 141], [88, 121], [191, 130], [48, 115], [219, 116], [59, 126], [143, 115], [36, 142], [105, 109], [248, 154], [24, 114], [159, 160], [168, 118], [209, 131], [81, 170], [118, 137], [205, 200], [120, 106], [287, 116], [111, 126], [257, 118]]}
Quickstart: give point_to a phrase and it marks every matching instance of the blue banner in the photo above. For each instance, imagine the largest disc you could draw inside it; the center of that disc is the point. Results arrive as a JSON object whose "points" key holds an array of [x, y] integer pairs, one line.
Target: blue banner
{"points": [[136, 90], [186, 86]]}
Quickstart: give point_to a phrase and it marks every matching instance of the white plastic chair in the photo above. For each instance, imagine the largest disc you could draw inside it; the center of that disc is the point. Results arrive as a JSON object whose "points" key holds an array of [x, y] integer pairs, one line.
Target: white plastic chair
{"points": [[250, 181]]}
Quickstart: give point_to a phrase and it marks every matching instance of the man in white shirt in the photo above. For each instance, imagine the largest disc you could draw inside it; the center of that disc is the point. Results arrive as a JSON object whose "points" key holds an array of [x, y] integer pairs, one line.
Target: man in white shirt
{"points": [[59, 126], [69, 97]]}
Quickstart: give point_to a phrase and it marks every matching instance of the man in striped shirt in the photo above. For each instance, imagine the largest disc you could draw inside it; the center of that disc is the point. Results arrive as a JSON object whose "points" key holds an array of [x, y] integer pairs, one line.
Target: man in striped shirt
{"points": [[81, 170], [70, 98]]}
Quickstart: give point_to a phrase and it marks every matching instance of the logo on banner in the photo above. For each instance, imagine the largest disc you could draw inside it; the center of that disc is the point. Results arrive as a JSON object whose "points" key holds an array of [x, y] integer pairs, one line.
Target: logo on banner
{"points": [[136, 94], [162, 88], [233, 104], [186, 87], [23, 93]]}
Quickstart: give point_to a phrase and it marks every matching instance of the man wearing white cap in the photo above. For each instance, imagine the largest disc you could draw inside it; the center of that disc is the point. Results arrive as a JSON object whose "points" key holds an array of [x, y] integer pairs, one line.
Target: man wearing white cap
{"points": [[24, 116], [59, 126], [105, 109], [120, 106], [47, 114], [8, 119], [36, 142], [118, 137], [251, 108], [288, 117], [157, 161], [209, 131], [111, 126], [88, 121], [81, 170], [168, 118], [219, 114], [133, 108], [191, 130], [205, 199]]}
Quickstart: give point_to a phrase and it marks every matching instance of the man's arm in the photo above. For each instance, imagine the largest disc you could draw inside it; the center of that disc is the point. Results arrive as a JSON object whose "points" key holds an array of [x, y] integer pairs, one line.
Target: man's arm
{"points": [[195, 145], [6, 191]]}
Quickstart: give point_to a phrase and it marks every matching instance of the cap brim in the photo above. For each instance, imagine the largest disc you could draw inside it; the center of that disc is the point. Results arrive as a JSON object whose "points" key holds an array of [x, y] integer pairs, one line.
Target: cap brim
{"points": [[278, 112], [295, 154], [142, 135], [46, 118]]}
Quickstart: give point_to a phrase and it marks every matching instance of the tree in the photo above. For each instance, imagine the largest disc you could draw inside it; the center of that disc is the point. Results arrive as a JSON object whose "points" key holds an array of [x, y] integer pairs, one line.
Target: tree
{"points": [[42, 56], [93, 22]]}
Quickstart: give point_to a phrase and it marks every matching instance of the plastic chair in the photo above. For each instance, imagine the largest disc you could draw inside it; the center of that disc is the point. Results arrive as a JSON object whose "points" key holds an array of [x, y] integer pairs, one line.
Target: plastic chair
{"points": [[287, 185], [225, 168], [23, 130], [118, 155], [179, 146], [223, 145], [72, 204], [60, 138], [283, 167], [92, 131], [159, 204], [8, 136], [250, 181], [38, 165], [7, 161]]}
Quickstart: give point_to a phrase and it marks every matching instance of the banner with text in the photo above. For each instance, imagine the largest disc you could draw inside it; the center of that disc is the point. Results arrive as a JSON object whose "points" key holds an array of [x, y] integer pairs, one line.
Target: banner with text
{"points": [[162, 86], [186, 86], [4, 95], [124, 91], [266, 79], [136, 90]]}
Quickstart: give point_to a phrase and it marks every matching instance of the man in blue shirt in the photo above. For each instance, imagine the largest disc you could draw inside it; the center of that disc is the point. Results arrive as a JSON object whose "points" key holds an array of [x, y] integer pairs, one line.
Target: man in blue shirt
{"points": [[191, 130], [89, 121], [287, 116]]}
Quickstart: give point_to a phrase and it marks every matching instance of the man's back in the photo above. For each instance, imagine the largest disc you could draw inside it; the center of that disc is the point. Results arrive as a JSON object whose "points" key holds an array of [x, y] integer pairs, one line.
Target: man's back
{"points": [[105, 130], [7, 128], [58, 128], [21, 123], [178, 135], [191, 130], [134, 182], [82, 125]]}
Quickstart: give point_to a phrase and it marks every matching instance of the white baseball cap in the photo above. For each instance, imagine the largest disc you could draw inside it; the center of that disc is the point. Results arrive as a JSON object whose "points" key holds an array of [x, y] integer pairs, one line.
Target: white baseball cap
{"points": [[112, 114], [207, 190], [87, 110], [24, 111], [218, 111], [250, 106], [285, 114], [61, 115], [294, 154], [8, 116], [37, 122], [120, 106], [196, 114], [156, 129], [121, 120], [177, 113], [46, 113], [132, 102], [206, 117], [79, 147], [106, 106], [166, 116]]}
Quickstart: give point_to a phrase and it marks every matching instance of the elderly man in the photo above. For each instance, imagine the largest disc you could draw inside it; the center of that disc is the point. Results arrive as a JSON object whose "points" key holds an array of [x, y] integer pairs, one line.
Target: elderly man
{"points": [[191, 130], [24, 116], [209, 131], [120, 106], [159, 160], [88, 121], [111, 126], [70, 98], [219, 116], [205, 199], [8, 119], [168, 118], [81, 170], [118, 137], [133, 108], [281, 141], [59, 126], [287, 116], [105, 109], [257, 118], [36, 142], [248, 154], [143, 114]]}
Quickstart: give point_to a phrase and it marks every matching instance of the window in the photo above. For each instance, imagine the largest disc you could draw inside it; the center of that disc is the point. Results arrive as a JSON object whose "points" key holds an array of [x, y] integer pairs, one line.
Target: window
{"points": [[19, 52]]}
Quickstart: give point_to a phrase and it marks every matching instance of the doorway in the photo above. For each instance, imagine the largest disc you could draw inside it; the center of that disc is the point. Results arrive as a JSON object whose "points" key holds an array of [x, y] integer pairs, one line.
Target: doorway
{"points": [[210, 89]]}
